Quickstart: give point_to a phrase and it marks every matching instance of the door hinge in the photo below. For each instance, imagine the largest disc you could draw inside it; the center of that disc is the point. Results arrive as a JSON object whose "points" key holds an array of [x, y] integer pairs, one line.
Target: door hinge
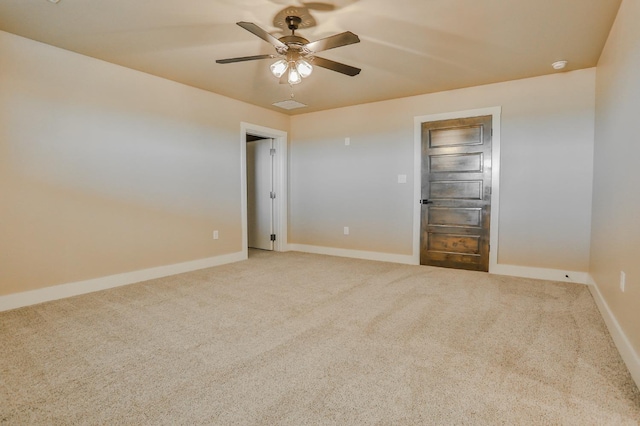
{"points": [[272, 195], [273, 237], [272, 151]]}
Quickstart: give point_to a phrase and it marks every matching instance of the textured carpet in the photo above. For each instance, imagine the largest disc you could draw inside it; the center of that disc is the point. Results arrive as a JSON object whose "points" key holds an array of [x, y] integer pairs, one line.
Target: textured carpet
{"points": [[293, 338]]}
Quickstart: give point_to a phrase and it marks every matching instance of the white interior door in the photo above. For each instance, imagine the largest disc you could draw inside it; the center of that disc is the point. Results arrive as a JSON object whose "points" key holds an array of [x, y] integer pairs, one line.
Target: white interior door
{"points": [[260, 194]]}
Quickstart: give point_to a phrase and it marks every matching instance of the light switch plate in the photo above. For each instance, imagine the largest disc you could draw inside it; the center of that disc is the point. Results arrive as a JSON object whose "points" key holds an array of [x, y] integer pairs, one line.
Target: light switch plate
{"points": [[402, 178]]}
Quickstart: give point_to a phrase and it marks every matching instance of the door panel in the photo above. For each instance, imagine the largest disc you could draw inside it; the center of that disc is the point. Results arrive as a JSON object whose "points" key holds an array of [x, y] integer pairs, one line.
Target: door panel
{"points": [[456, 163], [455, 216], [259, 189], [450, 243], [455, 190], [456, 181], [455, 136]]}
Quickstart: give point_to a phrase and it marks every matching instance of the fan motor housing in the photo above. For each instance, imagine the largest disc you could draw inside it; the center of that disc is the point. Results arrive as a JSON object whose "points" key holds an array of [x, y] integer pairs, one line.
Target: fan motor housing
{"points": [[293, 40]]}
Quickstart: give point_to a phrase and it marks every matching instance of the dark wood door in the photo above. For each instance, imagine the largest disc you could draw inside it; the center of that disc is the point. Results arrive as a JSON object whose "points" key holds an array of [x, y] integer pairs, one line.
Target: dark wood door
{"points": [[456, 193]]}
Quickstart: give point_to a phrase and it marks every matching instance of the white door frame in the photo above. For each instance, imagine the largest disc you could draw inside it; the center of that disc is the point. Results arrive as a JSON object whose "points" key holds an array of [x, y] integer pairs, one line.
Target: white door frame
{"points": [[279, 183], [496, 113]]}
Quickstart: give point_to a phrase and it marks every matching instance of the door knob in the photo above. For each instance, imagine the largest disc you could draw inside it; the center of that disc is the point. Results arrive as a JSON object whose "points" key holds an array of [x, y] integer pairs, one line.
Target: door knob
{"points": [[425, 201]]}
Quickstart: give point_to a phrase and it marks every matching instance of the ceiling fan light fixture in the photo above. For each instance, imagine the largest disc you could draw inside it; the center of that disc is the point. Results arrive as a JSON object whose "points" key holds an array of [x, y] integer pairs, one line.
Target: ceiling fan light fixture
{"points": [[278, 68], [295, 52], [294, 75], [304, 68]]}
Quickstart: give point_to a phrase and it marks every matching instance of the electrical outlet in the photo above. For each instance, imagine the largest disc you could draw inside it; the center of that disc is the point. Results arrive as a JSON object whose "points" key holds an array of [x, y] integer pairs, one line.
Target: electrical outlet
{"points": [[346, 230], [215, 235], [623, 281]]}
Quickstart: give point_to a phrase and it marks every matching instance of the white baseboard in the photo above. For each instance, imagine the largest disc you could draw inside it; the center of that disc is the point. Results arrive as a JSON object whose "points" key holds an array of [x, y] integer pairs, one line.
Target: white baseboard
{"points": [[32, 297], [356, 254], [499, 269], [627, 352], [540, 273]]}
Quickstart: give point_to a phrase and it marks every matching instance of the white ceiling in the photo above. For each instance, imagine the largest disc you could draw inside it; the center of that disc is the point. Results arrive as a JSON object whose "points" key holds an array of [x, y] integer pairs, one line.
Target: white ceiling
{"points": [[408, 47]]}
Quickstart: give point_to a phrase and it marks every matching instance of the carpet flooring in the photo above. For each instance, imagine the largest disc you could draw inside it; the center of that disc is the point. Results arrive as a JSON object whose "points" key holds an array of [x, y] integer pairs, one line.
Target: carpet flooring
{"points": [[296, 339]]}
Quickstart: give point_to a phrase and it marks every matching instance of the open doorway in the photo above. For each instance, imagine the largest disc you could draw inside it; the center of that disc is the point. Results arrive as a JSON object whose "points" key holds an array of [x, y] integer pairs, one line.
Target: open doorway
{"points": [[260, 192], [264, 172]]}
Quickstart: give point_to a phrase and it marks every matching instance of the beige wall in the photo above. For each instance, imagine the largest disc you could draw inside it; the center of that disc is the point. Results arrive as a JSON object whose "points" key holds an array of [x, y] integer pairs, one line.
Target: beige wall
{"points": [[615, 244], [545, 184], [105, 170]]}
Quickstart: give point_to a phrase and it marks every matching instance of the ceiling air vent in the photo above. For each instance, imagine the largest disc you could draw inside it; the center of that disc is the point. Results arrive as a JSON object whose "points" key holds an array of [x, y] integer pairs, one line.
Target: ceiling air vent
{"points": [[289, 104]]}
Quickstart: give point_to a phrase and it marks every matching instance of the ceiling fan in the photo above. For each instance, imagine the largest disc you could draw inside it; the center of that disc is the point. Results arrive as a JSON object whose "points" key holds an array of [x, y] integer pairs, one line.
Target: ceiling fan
{"points": [[297, 53]]}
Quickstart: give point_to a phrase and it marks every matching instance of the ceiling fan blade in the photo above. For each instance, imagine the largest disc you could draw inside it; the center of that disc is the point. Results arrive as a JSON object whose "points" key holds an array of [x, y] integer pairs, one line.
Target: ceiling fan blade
{"points": [[256, 30], [333, 41], [336, 66], [243, 59]]}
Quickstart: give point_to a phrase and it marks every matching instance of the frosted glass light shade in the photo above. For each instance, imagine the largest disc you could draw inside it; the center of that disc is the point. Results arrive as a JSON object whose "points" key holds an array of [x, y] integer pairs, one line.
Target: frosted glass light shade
{"points": [[304, 68], [278, 68], [294, 75]]}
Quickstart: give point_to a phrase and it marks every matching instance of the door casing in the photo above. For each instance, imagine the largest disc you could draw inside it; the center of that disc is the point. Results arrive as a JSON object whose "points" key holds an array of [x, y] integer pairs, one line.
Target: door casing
{"points": [[495, 113], [280, 219]]}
